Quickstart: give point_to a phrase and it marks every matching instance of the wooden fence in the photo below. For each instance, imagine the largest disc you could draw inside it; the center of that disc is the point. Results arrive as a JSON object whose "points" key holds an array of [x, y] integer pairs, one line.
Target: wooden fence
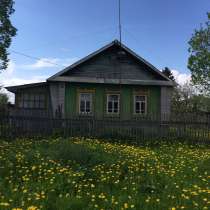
{"points": [[192, 127]]}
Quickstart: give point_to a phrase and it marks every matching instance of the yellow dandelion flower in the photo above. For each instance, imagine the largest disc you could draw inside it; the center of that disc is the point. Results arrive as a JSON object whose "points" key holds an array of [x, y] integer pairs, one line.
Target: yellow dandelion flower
{"points": [[32, 208], [125, 205]]}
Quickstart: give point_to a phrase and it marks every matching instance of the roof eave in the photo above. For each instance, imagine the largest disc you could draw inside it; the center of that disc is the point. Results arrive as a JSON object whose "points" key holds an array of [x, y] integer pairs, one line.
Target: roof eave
{"points": [[15, 88], [112, 81]]}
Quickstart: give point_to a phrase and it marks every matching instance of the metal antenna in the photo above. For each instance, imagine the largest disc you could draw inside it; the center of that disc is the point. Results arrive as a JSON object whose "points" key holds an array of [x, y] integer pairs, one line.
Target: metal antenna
{"points": [[120, 26]]}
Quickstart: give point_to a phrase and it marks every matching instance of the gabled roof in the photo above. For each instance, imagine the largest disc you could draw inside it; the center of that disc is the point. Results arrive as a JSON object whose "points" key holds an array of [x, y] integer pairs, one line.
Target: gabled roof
{"points": [[116, 43]]}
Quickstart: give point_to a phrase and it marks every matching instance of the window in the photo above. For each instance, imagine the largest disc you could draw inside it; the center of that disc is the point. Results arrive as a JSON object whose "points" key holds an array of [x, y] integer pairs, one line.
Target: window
{"points": [[113, 103], [32, 100], [140, 104], [85, 103]]}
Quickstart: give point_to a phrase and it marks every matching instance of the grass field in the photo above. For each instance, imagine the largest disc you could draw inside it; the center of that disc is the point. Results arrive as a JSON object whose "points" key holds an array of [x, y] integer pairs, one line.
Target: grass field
{"points": [[81, 174]]}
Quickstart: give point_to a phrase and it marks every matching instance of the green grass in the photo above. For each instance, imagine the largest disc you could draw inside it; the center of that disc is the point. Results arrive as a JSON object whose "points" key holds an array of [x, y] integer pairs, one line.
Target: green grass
{"points": [[68, 174]]}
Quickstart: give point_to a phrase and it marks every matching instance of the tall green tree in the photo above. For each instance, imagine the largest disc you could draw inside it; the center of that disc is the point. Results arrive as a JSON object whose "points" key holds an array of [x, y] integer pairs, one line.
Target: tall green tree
{"points": [[199, 60], [7, 31]]}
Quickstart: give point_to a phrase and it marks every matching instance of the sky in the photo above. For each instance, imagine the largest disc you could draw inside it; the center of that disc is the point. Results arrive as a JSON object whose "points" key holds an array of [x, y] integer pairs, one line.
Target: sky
{"points": [[57, 33]]}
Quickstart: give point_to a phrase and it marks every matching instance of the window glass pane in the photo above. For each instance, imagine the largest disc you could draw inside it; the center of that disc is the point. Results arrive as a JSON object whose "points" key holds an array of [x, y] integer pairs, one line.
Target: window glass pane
{"points": [[140, 104], [85, 96], [113, 103], [109, 106], [30, 104], [41, 97], [115, 107], [37, 97], [113, 97], [41, 104], [26, 96], [25, 104], [140, 98], [82, 106], [142, 107], [85, 102], [31, 97], [137, 107], [36, 104], [87, 106]]}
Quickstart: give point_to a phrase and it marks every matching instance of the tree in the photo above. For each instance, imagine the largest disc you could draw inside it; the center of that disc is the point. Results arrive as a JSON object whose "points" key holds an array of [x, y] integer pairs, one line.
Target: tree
{"points": [[4, 100], [199, 60], [7, 31], [185, 99], [167, 72]]}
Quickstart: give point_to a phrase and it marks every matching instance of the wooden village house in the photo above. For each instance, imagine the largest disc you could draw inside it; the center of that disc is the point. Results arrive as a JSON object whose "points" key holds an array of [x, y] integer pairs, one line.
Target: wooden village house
{"points": [[111, 82]]}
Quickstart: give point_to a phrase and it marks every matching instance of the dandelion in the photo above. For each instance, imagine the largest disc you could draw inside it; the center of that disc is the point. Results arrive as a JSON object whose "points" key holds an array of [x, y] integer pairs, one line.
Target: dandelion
{"points": [[32, 208], [4, 204], [125, 205]]}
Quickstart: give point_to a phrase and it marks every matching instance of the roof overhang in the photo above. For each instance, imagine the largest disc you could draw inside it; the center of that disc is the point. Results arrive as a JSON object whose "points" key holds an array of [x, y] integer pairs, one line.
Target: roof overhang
{"points": [[16, 88], [112, 81]]}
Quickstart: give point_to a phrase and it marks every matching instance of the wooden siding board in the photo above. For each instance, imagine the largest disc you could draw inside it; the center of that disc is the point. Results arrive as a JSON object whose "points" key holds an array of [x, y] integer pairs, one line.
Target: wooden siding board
{"points": [[106, 65], [39, 89], [57, 94], [114, 81], [126, 97], [165, 100], [112, 48]]}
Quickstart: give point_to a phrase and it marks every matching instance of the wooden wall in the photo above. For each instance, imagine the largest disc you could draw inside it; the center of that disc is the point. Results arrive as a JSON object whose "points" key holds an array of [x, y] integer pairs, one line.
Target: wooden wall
{"points": [[99, 99], [109, 64]]}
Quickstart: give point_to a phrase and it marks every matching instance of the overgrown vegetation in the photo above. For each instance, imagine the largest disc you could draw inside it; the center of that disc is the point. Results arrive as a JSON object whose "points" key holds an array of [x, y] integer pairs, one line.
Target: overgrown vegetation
{"points": [[93, 174], [7, 31], [199, 60]]}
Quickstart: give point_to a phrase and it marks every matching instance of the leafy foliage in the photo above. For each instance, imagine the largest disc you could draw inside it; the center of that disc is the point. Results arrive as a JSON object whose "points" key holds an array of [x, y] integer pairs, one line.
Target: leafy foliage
{"points": [[3, 99], [185, 99], [7, 31], [199, 60], [167, 72]]}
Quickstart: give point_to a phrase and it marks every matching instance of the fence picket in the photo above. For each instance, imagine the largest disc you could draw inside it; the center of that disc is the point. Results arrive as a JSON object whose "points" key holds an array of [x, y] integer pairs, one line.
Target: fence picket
{"points": [[182, 126]]}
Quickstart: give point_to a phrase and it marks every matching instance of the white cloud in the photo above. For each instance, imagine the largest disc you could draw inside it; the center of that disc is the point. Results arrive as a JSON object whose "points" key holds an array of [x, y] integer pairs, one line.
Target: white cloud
{"points": [[7, 78], [42, 63], [49, 63], [10, 68], [181, 78]]}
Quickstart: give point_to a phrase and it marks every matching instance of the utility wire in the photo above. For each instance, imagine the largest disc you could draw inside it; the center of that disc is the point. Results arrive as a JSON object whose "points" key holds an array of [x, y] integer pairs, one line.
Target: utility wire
{"points": [[137, 41], [35, 58]]}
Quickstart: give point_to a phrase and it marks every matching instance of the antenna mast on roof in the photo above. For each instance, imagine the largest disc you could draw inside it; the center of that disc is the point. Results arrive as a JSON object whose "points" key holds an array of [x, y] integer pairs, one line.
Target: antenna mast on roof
{"points": [[120, 26]]}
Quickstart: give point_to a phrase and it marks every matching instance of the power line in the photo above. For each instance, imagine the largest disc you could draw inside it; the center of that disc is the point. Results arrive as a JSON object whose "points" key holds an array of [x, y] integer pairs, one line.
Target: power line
{"points": [[133, 37], [35, 58]]}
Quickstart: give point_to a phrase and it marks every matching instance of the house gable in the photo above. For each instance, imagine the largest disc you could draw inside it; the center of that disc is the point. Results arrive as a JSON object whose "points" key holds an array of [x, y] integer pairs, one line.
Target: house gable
{"points": [[114, 62]]}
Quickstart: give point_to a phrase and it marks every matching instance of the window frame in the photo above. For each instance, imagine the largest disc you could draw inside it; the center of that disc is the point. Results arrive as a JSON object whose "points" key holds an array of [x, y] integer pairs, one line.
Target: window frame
{"points": [[107, 104], [91, 103], [31, 101], [134, 104]]}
